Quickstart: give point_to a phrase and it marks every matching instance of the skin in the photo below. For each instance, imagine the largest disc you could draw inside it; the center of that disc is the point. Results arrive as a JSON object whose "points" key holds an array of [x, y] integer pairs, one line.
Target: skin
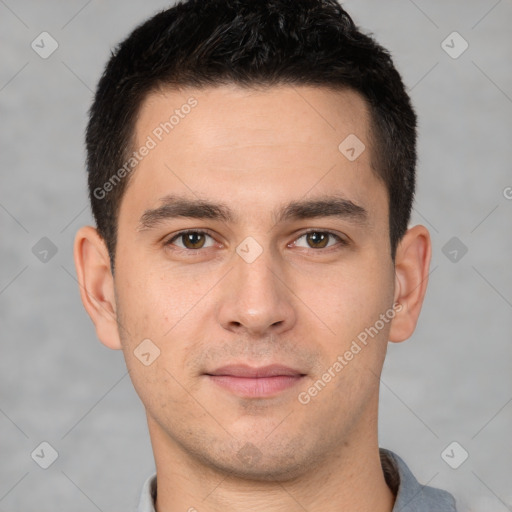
{"points": [[300, 303]]}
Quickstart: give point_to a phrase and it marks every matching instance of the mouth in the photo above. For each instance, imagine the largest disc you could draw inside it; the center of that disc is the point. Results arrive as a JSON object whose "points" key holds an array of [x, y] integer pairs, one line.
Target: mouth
{"points": [[256, 382]]}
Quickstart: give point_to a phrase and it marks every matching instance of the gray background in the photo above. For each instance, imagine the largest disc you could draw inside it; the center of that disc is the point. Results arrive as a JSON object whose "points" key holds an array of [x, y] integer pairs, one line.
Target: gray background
{"points": [[450, 382]]}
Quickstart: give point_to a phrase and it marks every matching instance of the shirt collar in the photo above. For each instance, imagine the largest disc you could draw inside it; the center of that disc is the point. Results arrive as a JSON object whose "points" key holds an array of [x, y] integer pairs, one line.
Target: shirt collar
{"points": [[410, 495]]}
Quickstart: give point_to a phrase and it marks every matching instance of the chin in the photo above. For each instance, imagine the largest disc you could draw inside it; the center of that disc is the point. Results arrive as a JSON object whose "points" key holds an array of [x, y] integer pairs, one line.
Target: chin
{"points": [[270, 464]]}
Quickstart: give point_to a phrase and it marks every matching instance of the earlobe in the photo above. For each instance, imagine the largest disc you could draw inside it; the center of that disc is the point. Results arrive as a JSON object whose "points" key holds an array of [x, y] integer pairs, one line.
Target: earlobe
{"points": [[412, 262], [97, 284]]}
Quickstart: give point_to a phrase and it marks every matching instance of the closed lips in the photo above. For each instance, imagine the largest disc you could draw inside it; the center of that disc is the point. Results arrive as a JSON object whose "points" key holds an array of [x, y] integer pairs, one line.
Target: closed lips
{"points": [[258, 372]]}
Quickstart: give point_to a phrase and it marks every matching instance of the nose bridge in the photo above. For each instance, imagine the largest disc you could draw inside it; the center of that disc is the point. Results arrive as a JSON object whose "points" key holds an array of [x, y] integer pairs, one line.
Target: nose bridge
{"points": [[255, 273], [257, 297]]}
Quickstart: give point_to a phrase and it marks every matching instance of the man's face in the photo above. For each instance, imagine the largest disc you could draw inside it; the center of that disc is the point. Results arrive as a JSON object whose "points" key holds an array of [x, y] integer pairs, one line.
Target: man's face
{"points": [[252, 288]]}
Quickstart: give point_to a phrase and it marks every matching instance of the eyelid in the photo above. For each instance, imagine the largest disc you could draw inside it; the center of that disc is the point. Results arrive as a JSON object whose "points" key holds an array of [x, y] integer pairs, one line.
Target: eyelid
{"points": [[342, 241], [177, 235]]}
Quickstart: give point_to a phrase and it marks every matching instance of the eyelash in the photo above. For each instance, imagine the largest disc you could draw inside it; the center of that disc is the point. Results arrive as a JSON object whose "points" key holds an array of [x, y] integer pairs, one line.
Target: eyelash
{"points": [[341, 242]]}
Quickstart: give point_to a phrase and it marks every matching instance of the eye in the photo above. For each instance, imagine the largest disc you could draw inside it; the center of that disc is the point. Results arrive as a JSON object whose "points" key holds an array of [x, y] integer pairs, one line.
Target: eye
{"points": [[316, 239], [194, 240], [190, 239]]}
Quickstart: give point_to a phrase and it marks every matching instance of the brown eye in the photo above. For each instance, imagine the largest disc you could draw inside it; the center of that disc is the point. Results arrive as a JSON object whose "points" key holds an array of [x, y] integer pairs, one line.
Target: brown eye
{"points": [[193, 240], [319, 240], [190, 240]]}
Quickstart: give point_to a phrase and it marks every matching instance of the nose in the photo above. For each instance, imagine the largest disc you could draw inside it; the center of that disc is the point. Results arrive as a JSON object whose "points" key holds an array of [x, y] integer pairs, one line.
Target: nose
{"points": [[257, 299]]}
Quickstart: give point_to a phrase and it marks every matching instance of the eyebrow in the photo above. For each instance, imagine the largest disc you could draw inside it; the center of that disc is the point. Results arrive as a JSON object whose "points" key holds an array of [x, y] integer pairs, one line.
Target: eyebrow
{"points": [[173, 206]]}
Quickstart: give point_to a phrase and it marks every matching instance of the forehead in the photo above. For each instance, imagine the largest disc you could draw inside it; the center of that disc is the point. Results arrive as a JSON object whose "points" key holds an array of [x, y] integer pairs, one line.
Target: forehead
{"points": [[229, 115], [253, 145]]}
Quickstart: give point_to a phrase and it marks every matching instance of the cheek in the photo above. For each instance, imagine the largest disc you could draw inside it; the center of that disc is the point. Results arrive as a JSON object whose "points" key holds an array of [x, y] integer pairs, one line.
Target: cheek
{"points": [[152, 313], [351, 297], [355, 349], [172, 309], [152, 302]]}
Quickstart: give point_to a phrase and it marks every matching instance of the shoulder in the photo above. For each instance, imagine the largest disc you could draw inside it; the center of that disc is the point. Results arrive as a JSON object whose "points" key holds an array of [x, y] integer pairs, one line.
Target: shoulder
{"points": [[411, 496], [148, 495]]}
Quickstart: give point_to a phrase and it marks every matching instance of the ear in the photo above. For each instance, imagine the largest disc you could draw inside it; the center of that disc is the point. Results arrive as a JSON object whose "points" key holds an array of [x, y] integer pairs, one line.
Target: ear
{"points": [[97, 284], [412, 263]]}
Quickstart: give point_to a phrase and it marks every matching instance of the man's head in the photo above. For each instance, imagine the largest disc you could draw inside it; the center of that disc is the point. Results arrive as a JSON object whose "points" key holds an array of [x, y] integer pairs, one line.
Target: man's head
{"points": [[252, 44], [271, 184]]}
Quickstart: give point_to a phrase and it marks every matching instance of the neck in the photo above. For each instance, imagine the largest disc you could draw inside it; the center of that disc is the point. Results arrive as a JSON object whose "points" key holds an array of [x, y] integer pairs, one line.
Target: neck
{"points": [[350, 478]]}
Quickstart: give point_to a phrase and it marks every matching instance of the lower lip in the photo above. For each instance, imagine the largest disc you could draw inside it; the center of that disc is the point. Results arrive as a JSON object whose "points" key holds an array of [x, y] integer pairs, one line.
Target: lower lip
{"points": [[256, 387]]}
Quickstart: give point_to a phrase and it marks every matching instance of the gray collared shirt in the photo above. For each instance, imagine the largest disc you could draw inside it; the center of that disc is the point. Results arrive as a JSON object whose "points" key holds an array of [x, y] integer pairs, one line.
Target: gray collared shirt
{"points": [[411, 496]]}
